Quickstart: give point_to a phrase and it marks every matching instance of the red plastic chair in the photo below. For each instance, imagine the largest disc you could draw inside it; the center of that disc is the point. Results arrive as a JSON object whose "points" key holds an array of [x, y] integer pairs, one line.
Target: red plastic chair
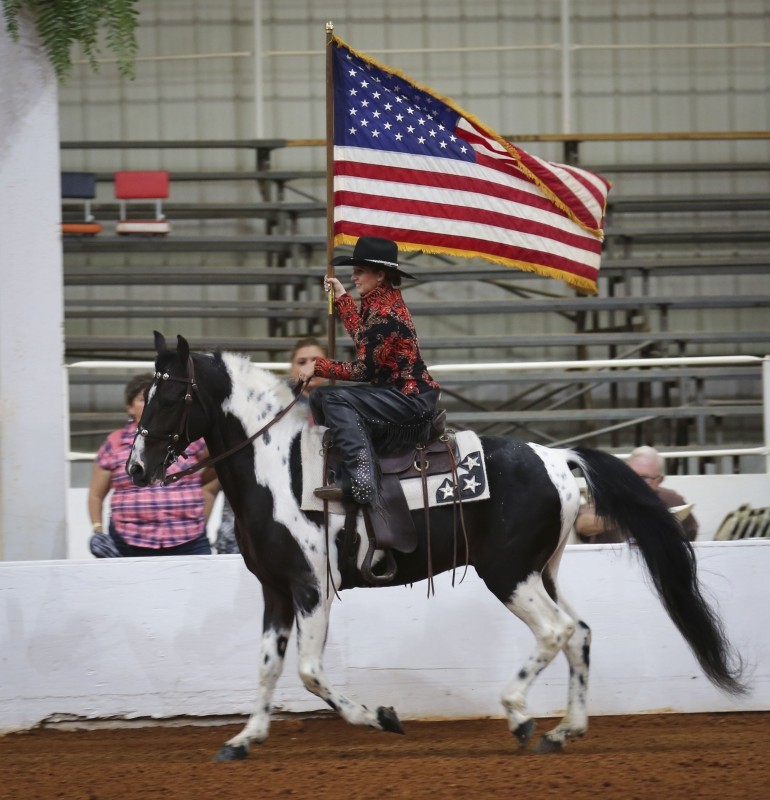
{"points": [[137, 186]]}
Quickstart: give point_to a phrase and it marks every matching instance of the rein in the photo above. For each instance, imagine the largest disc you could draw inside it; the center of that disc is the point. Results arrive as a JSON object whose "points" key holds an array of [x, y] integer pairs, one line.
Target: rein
{"points": [[193, 391]]}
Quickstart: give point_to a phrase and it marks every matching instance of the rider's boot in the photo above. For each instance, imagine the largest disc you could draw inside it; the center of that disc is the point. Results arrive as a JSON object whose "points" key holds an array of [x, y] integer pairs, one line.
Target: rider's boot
{"points": [[357, 480], [357, 477]]}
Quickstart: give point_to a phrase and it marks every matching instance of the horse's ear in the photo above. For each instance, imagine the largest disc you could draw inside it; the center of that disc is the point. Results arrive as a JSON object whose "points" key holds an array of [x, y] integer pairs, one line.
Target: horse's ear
{"points": [[160, 343], [182, 349]]}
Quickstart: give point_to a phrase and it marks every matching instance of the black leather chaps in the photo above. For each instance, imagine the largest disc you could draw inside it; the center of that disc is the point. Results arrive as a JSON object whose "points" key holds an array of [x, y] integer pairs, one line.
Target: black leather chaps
{"points": [[365, 419]]}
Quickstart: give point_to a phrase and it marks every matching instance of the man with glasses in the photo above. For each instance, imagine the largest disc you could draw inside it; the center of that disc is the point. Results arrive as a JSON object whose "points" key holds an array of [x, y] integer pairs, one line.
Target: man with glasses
{"points": [[649, 465]]}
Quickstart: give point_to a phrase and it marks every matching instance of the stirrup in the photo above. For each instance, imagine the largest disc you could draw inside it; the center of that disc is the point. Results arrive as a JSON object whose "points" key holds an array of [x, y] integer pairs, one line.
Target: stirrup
{"points": [[366, 567], [331, 493]]}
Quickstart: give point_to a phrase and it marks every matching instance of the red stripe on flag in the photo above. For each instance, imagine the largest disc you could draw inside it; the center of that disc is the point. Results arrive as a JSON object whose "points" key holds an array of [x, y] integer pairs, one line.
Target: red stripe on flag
{"points": [[542, 170], [580, 175], [445, 180], [509, 223]]}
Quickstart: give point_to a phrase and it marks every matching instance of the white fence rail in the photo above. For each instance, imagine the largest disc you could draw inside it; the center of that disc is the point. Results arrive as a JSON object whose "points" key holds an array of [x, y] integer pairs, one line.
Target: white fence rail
{"points": [[532, 366]]}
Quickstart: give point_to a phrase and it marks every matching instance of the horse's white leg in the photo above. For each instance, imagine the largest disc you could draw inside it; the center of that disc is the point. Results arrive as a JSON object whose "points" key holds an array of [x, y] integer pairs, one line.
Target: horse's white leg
{"points": [[552, 629], [277, 622], [575, 722], [311, 641]]}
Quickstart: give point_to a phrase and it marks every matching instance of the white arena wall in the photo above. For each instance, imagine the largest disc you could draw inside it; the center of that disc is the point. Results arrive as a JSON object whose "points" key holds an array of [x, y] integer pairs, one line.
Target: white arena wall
{"points": [[178, 637], [714, 496]]}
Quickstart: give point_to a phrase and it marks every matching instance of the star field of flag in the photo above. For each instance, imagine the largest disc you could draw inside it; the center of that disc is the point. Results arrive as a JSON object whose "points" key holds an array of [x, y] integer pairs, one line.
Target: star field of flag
{"points": [[378, 109]]}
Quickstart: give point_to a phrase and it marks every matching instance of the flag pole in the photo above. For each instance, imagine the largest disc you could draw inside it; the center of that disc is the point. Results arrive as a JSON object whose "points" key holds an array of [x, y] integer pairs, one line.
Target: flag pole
{"points": [[330, 323]]}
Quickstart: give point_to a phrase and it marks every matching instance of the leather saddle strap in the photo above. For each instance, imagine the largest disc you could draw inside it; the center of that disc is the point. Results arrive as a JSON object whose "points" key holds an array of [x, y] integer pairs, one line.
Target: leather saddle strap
{"points": [[329, 580], [458, 503], [424, 477]]}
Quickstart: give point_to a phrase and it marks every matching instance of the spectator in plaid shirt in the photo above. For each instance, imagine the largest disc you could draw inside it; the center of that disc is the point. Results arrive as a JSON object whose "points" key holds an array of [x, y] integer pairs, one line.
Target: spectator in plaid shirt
{"points": [[156, 520]]}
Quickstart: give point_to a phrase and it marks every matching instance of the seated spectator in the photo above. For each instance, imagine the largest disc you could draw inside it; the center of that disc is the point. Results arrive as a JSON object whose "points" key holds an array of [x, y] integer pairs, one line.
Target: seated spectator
{"points": [[305, 350], [151, 521], [649, 465]]}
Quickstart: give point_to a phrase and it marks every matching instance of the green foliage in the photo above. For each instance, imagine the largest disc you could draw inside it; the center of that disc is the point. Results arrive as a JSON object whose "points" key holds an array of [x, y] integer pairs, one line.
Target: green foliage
{"points": [[62, 23]]}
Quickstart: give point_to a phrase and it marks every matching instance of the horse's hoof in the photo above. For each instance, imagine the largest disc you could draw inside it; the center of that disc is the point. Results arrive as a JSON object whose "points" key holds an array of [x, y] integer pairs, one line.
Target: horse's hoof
{"points": [[524, 732], [388, 720], [546, 745], [230, 753]]}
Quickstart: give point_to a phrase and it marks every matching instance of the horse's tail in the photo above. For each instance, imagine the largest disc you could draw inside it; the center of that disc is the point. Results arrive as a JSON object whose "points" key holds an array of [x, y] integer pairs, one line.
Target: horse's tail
{"points": [[621, 496]]}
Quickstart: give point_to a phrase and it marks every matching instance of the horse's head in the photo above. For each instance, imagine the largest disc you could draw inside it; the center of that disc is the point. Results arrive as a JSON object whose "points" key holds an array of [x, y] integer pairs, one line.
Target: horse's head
{"points": [[173, 415]]}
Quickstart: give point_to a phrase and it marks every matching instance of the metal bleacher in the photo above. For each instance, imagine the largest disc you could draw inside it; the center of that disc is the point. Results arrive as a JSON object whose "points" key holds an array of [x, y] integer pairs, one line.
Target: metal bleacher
{"points": [[241, 270]]}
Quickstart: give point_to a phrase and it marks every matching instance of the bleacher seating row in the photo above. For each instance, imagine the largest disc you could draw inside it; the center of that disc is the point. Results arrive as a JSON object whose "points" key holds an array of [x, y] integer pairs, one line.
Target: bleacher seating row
{"points": [[172, 275]]}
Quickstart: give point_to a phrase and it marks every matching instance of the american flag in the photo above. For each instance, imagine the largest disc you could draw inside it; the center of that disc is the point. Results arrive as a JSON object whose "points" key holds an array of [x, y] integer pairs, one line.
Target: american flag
{"points": [[413, 167]]}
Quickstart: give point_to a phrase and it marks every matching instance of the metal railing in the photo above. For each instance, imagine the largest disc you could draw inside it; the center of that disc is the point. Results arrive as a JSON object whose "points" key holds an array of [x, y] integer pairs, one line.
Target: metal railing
{"points": [[503, 367]]}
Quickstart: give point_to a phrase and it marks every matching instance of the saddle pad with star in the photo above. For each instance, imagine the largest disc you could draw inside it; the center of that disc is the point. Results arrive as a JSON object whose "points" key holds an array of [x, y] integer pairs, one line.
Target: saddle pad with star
{"points": [[471, 474]]}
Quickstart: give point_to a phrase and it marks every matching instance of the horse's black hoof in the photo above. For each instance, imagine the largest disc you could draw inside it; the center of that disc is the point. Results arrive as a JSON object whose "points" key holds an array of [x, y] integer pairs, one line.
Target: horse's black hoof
{"points": [[524, 732], [230, 753], [546, 745], [388, 720]]}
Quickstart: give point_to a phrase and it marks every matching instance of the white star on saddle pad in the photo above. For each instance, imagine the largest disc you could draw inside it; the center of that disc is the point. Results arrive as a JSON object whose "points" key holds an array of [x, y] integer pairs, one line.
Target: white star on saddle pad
{"points": [[447, 489], [471, 484]]}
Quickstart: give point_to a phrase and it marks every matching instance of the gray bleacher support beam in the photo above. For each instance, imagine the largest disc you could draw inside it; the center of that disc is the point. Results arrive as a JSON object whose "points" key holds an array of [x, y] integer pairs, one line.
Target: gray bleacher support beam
{"points": [[33, 400], [766, 405]]}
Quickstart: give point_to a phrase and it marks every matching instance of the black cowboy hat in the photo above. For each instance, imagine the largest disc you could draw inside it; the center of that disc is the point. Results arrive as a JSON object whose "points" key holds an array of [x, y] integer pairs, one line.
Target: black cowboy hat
{"points": [[374, 252]]}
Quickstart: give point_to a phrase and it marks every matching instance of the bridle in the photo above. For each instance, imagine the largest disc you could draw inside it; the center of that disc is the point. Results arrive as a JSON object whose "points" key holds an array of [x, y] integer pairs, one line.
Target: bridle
{"points": [[182, 429]]}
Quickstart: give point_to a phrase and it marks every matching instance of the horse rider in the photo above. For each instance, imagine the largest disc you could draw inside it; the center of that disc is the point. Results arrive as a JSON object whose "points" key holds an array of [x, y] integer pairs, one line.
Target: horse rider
{"points": [[392, 407]]}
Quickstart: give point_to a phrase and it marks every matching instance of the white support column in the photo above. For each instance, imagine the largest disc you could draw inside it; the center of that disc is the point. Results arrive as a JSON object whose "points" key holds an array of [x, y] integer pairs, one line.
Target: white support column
{"points": [[33, 399], [766, 407], [566, 68], [259, 99]]}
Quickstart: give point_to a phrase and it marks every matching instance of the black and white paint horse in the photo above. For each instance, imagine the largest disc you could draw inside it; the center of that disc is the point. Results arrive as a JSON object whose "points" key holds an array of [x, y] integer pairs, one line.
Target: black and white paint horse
{"points": [[516, 538]]}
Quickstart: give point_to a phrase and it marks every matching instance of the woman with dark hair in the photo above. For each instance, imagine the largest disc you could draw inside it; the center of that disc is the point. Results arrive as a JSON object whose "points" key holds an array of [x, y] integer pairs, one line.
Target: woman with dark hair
{"points": [[394, 406], [151, 521]]}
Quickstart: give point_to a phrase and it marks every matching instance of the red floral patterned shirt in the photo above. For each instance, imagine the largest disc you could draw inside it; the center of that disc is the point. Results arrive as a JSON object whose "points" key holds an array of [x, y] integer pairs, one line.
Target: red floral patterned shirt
{"points": [[387, 351]]}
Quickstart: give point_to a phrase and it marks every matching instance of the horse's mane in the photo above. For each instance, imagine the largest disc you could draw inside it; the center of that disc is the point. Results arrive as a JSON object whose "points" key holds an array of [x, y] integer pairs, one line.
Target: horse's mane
{"points": [[241, 368]]}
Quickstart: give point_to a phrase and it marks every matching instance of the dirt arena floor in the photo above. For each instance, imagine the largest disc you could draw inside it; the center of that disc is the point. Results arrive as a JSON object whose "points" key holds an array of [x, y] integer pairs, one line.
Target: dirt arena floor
{"points": [[696, 756]]}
